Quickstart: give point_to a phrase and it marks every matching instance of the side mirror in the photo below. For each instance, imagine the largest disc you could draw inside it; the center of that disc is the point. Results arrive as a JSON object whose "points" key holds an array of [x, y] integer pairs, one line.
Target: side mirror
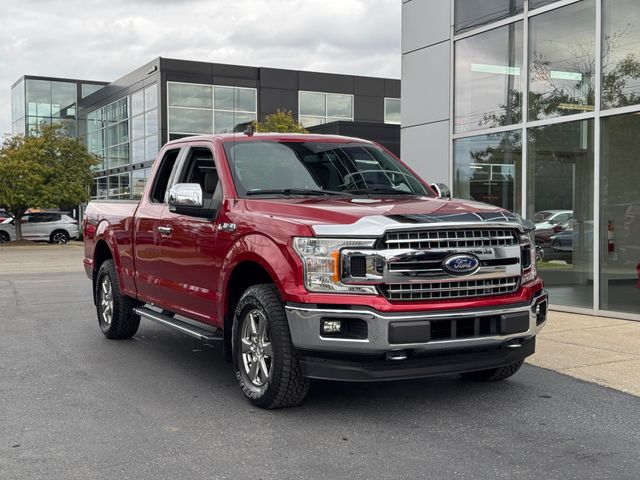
{"points": [[442, 190], [186, 199]]}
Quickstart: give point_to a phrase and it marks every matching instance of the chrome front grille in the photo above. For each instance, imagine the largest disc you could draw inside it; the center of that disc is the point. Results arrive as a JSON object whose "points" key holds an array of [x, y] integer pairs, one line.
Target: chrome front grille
{"points": [[450, 289], [458, 238]]}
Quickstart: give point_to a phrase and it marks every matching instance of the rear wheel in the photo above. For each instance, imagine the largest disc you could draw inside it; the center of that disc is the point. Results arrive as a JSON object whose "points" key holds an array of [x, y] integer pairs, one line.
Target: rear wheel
{"points": [[265, 361], [115, 311], [59, 236], [494, 374], [4, 237]]}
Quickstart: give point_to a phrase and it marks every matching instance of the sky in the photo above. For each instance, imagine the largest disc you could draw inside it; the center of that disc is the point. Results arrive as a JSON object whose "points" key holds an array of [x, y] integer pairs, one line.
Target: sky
{"points": [[105, 39]]}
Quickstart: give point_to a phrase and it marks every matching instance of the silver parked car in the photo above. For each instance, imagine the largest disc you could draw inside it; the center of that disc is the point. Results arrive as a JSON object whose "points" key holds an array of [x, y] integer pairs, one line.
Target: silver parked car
{"points": [[54, 227]]}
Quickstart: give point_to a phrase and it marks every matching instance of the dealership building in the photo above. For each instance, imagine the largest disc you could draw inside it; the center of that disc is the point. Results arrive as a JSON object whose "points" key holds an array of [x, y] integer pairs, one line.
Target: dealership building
{"points": [[534, 105], [126, 122]]}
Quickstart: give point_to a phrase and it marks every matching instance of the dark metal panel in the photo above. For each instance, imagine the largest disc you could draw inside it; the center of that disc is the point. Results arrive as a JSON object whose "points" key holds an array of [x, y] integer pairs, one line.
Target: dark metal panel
{"points": [[372, 87], [272, 99], [278, 78], [326, 82], [369, 109], [392, 88], [235, 71]]}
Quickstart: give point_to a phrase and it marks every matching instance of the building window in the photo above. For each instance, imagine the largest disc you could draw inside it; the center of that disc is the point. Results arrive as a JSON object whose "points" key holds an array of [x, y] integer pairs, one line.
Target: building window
{"points": [[196, 109], [560, 178], [488, 79], [87, 89], [138, 181], [487, 168], [620, 53], [562, 61], [108, 134], [316, 108], [392, 111], [620, 214], [540, 3], [144, 124], [50, 102], [475, 13]]}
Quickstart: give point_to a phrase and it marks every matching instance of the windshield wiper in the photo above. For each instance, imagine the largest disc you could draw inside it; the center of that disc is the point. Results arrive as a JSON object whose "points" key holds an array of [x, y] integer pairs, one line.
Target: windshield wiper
{"points": [[382, 190], [293, 191]]}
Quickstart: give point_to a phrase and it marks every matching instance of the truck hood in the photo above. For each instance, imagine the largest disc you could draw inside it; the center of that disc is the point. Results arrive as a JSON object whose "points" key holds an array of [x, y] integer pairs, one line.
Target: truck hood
{"points": [[360, 216]]}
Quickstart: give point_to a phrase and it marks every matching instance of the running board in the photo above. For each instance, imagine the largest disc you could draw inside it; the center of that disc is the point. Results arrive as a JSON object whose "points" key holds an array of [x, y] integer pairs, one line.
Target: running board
{"points": [[184, 327]]}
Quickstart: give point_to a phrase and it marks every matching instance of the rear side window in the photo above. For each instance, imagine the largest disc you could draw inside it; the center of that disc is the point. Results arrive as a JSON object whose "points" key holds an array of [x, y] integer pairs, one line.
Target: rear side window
{"points": [[158, 193]]}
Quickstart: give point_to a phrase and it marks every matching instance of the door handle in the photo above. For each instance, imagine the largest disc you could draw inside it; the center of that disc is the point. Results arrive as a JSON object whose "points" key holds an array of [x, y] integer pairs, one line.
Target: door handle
{"points": [[165, 230]]}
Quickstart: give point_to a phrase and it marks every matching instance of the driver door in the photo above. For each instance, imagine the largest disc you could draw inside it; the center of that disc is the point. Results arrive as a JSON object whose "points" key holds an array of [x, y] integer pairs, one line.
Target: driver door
{"points": [[189, 260]]}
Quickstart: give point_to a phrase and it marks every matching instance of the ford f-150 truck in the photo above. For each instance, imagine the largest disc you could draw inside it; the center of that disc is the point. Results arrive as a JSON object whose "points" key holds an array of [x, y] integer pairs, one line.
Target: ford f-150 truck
{"points": [[313, 256]]}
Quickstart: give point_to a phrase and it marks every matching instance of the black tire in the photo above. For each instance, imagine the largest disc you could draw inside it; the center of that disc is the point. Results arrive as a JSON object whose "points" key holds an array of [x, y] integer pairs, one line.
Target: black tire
{"points": [[284, 385], [4, 237], [59, 236], [124, 322], [494, 374]]}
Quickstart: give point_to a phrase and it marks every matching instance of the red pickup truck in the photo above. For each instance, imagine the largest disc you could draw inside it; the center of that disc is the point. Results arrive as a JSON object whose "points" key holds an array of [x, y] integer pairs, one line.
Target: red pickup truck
{"points": [[313, 256]]}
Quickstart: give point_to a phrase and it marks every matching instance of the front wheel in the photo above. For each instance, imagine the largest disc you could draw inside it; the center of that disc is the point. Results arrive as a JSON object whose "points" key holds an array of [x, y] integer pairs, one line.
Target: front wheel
{"points": [[115, 311], [4, 237], [264, 359], [494, 374]]}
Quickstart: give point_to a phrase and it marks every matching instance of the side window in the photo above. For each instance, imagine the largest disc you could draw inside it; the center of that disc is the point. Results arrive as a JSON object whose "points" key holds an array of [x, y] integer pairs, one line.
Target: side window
{"points": [[161, 182], [200, 168]]}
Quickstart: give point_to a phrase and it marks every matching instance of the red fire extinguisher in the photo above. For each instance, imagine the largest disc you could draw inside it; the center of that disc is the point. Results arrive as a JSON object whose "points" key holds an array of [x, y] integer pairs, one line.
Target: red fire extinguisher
{"points": [[610, 238]]}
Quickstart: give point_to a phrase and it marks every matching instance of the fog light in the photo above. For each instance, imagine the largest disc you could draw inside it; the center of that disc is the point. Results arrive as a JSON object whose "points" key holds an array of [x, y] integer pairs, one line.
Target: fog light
{"points": [[332, 326]]}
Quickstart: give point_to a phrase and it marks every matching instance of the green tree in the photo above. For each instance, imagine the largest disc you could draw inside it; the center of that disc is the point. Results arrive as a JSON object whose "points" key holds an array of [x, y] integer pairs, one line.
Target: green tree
{"points": [[46, 170], [281, 121]]}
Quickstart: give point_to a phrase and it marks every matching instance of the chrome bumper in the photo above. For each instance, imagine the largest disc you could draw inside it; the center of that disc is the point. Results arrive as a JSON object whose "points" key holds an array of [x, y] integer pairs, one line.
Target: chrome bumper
{"points": [[305, 326]]}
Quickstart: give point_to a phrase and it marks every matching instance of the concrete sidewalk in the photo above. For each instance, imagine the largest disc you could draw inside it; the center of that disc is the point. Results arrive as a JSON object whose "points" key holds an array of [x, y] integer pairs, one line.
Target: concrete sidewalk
{"points": [[605, 351]]}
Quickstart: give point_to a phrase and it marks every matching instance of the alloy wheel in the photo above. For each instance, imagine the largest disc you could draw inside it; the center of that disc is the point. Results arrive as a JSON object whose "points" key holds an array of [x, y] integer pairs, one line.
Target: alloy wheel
{"points": [[106, 300], [257, 354]]}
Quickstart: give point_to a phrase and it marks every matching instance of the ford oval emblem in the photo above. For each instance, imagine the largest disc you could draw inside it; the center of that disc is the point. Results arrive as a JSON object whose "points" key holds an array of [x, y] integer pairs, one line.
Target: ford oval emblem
{"points": [[461, 264]]}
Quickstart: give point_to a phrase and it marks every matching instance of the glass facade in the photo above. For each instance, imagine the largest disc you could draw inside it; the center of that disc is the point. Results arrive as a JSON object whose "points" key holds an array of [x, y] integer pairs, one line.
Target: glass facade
{"points": [[195, 109], [475, 13], [559, 144], [392, 111], [620, 53], [562, 61], [316, 108], [123, 133], [620, 214], [38, 102], [490, 62], [488, 169]]}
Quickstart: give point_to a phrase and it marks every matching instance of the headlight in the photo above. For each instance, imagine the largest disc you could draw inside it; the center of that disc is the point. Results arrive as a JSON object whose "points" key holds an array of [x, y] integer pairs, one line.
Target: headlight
{"points": [[321, 260], [528, 246]]}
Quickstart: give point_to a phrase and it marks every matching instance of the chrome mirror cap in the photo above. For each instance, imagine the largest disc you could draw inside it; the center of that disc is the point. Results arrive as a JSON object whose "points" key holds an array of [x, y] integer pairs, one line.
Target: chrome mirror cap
{"points": [[185, 195]]}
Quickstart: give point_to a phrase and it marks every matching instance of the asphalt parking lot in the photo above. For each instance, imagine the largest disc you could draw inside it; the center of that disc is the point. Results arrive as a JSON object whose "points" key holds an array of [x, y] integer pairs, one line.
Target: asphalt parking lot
{"points": [[76, 405]]}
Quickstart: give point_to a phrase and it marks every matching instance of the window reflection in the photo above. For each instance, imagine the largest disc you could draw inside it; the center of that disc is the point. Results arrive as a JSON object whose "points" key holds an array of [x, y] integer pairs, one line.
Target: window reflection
{"points": [[488, 169], [474, 13], [488, 79], [620, 53], [562, 61], [560, 202], [620, 214]]}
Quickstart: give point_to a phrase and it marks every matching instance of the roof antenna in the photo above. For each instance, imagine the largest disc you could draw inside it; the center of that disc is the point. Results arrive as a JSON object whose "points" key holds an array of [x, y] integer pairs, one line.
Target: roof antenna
{"points": [[251, 129]]}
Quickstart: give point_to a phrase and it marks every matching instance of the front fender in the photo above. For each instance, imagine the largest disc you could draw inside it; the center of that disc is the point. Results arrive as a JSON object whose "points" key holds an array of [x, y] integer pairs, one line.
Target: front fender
{"points": [[274, 258]]}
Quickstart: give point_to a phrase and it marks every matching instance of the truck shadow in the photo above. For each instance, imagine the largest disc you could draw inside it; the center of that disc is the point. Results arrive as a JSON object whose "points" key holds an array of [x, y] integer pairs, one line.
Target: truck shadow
{"points": [[202, 364]]}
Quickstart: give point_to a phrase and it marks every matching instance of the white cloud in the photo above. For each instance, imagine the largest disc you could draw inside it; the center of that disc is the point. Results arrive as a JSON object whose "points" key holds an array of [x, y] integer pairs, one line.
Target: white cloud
{"points": [[99, 40]]}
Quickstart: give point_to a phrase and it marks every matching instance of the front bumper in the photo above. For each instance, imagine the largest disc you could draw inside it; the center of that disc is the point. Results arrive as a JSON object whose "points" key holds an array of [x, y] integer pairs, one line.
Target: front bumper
{"points": [[483, 338]]}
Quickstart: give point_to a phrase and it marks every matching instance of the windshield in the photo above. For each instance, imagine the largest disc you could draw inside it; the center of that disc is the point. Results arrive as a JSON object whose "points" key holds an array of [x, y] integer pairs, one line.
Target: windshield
{"points": [[270, 168]]}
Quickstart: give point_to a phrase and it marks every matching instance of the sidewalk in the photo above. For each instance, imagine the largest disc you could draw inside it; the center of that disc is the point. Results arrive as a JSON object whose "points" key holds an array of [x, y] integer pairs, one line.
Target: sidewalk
{"points": [[600, 350]]}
